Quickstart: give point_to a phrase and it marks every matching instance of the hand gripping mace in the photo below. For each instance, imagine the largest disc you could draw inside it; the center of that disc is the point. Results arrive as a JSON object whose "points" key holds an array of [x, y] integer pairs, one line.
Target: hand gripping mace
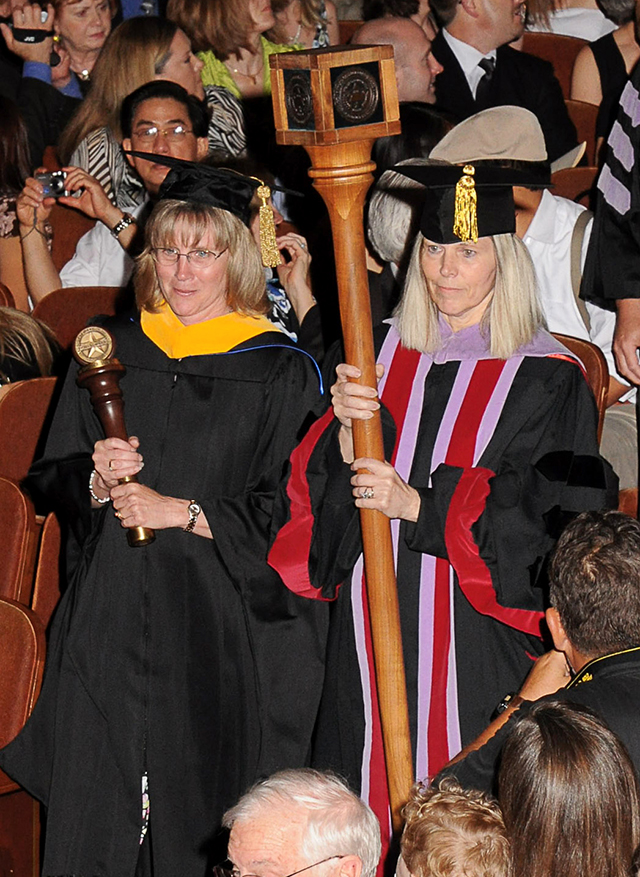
{"points": [[336, 102], [100, 375]]}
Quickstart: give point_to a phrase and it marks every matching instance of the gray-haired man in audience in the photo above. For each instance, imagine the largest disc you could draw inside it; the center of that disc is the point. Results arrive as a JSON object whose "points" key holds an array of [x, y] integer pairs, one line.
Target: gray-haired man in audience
{"points": [[301, 821]]}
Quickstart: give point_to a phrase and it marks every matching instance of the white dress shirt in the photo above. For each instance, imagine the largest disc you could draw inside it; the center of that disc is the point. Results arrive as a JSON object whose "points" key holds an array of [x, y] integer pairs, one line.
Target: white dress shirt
{"points": [[99, 259], [468, 58], [548, 240]]}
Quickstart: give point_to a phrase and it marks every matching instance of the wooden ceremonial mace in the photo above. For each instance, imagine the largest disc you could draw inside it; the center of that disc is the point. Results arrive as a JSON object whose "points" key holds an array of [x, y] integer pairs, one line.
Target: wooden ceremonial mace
{"points": [[100, 375], [336, 102]]}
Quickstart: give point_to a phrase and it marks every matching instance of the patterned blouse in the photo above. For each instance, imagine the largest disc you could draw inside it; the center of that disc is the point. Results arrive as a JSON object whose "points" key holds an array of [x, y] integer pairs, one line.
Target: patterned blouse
{"points": [[101, 155]]}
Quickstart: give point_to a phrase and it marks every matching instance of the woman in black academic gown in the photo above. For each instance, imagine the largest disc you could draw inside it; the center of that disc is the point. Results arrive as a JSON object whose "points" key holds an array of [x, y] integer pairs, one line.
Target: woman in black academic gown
{"points": [[491, 442], [181, 671]]}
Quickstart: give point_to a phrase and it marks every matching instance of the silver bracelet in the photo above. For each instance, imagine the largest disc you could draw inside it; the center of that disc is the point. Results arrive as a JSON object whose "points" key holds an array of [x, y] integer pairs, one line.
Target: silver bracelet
{"points": [[92, 491]]}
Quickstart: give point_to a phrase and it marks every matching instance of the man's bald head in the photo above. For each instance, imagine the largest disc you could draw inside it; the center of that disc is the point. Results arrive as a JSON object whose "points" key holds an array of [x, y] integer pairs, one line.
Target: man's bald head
{"points": [[416, 68]]}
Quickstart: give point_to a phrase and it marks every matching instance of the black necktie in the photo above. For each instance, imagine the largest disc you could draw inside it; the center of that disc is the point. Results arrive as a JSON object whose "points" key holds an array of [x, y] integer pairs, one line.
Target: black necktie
{"points": [[488, 65]]}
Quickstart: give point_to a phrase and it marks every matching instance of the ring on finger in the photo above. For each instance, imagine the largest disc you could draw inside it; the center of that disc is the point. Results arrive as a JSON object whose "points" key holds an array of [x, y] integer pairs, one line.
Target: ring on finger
{"points": [[119, 516], [368, 493], [110, 465], [303, 245]]}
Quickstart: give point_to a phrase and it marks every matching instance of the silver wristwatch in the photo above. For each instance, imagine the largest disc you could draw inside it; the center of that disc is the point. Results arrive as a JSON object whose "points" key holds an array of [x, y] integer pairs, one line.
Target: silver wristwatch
{"points": [[194, 510], [125, 222]]}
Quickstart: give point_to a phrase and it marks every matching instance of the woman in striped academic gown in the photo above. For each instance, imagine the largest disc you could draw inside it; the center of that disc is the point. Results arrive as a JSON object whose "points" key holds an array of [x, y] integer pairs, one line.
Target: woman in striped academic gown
{"points": [[490, 434]]}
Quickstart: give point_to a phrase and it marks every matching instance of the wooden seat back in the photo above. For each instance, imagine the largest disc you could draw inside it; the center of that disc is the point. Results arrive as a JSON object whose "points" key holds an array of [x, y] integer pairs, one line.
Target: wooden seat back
{"points": [[19, 535], [576, 184], [46, 588], [23, 411], [595, 366], [558, 49], [22, 653], [67, 311], [68, 227], [584, 116]]}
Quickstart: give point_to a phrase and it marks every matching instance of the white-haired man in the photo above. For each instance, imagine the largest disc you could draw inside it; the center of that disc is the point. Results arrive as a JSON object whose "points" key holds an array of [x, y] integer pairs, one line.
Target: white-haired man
{"points": [[302, 821]]}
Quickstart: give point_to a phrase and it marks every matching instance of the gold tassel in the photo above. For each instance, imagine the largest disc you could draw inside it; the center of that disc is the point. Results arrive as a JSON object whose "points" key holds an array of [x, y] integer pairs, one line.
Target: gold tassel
{"points": [[268, 245], [465, 208]]}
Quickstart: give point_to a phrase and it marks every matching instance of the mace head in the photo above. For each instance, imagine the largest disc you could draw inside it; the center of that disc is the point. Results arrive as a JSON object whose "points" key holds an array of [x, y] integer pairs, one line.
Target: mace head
{"points": [[93, 346], [326, 96]]}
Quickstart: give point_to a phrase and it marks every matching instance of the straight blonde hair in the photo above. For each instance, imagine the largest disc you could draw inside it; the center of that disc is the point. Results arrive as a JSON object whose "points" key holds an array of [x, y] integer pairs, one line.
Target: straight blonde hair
{"points": [[134, 53], [512, 318], [177, 222]]}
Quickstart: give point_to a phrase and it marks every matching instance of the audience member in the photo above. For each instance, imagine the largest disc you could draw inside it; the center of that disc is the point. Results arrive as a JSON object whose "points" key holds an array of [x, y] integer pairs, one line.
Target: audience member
{"points": [[15, 167], [601, 70], [48, 95], [158, 117], [229, 40], [417, 10], [612, 270], [557, 237], [584, 19], [452, 832], [594, 621], [26, 347], [569, 795], [416, 67], [298, 820], [138, 51], [312, 24], [488, 403], [481, 70]]}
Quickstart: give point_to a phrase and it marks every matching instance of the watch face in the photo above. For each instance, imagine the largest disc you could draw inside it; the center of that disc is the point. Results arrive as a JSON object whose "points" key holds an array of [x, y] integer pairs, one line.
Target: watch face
{"points": [[194, 508]]}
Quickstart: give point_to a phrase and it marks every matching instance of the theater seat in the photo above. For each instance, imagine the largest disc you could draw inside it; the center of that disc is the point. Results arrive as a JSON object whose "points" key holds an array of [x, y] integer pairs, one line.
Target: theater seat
{"points": [[23, 411], [19, 535], [67, 311], [560, 50], [595, 365], [22, 653]]}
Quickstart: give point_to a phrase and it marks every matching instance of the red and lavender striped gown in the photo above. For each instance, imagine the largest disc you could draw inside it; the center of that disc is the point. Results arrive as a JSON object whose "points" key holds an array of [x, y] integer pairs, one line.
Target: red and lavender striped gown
{"points": [[500, 451]]}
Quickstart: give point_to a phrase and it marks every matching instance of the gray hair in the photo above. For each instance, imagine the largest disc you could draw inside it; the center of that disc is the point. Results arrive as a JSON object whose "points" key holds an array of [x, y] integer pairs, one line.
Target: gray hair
{"points": [[513, 317], [394, 213], [339, 822]]}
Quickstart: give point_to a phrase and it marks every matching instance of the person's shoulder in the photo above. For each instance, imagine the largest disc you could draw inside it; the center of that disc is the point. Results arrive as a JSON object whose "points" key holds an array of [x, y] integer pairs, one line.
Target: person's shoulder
{"points": [[526, 63]]}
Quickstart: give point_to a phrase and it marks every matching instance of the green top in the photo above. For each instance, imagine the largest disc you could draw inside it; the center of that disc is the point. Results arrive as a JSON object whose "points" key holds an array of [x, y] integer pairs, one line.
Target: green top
{"points": [[215, 72]]}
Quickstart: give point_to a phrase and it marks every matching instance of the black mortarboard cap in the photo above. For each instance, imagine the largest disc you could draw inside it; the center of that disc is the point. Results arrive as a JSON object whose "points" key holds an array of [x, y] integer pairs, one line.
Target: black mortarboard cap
{"points": [[465, 203], [224, 188]]}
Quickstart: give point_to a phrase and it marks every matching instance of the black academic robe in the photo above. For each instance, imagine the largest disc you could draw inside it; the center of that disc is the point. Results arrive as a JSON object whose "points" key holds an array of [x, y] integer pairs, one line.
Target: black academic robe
{"points": [[188, 658], [520, 80], [519, 452], [609, 685]]}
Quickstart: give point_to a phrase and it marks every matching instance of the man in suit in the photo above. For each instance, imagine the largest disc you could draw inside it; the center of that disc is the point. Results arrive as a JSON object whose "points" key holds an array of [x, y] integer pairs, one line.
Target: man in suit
{"points": [[416, 67], [481, 70]]}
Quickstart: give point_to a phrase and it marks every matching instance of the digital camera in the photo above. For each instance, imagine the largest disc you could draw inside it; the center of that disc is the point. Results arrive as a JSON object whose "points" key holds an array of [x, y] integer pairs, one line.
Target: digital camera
{"points": [[53, 184]]}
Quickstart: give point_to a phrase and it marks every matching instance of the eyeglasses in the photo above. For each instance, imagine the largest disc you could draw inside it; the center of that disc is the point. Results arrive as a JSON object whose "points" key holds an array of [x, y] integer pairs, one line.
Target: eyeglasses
{"points": [[196, 258], [228, 869], [174, 133]]}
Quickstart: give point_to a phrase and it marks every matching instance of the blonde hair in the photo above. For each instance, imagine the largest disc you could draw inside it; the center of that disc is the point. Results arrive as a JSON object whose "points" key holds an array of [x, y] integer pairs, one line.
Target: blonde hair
{"points": [[25, 339], [134, 53], [451, 832], [172, 220], [512, 318], [309, 17], [221, 26]]}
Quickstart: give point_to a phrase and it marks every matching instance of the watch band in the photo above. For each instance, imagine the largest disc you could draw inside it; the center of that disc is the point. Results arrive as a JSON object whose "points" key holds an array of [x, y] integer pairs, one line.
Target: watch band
{"points": [[194, 509], [125, 222]]}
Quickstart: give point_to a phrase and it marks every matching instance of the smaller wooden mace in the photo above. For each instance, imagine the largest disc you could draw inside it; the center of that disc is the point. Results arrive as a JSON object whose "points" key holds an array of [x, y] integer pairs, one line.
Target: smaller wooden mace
{"points": [[100, 375]]}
